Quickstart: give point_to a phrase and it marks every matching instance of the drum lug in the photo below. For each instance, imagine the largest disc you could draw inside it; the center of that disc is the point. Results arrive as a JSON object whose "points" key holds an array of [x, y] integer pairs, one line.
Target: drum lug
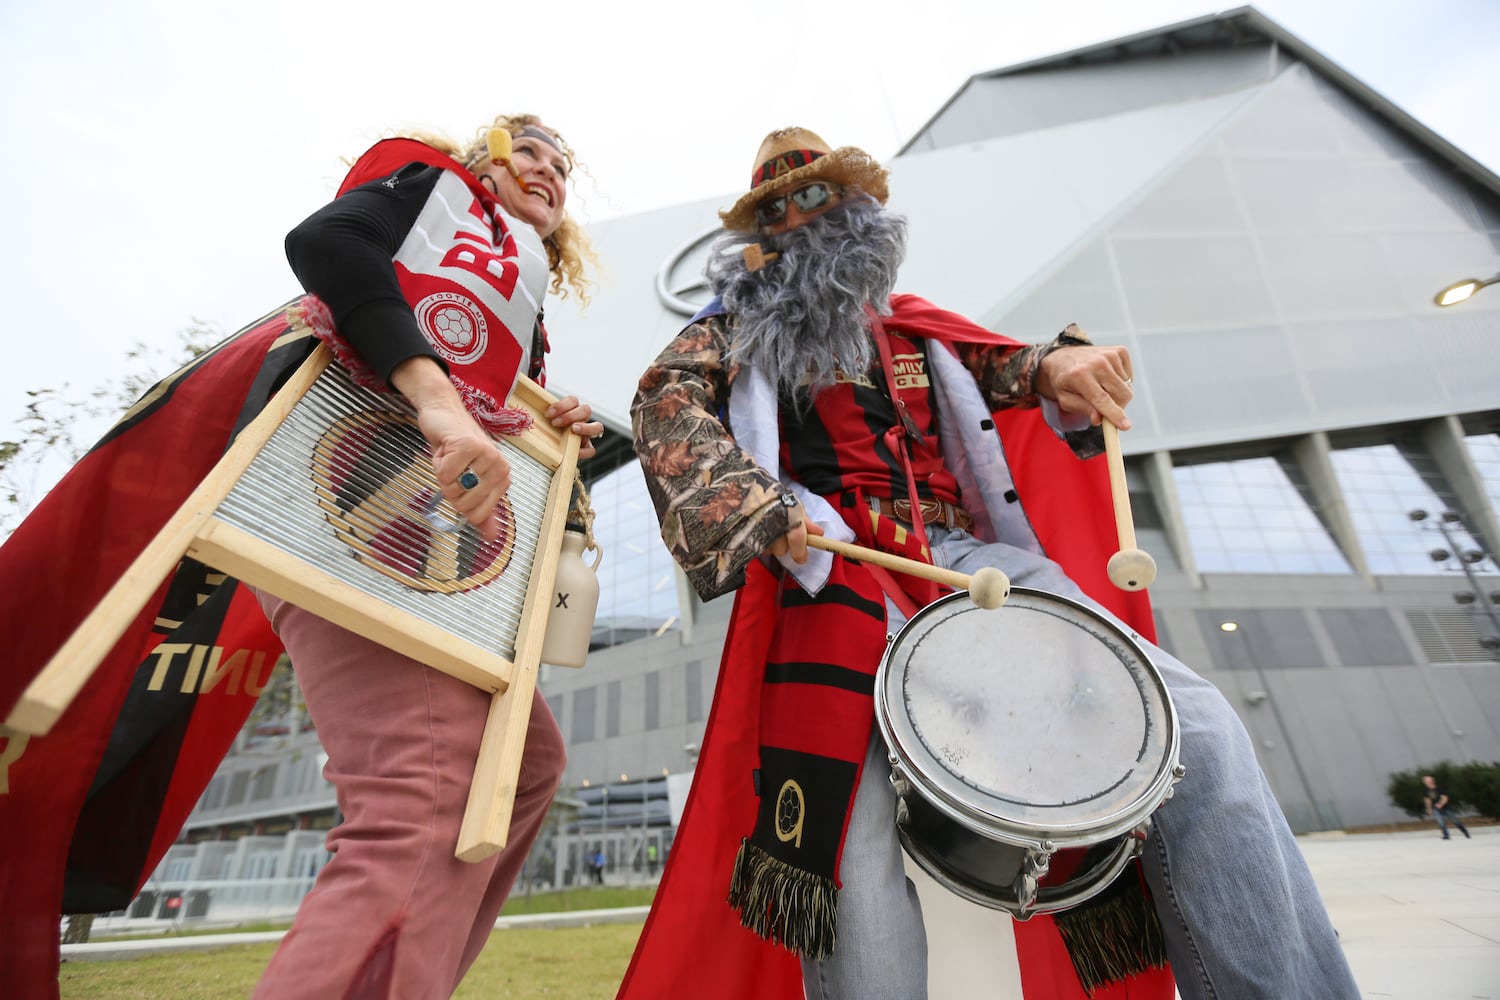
{"points": [[1138, 838], [1177, 772], [902, 788], [899, 781], [1033, 869]]}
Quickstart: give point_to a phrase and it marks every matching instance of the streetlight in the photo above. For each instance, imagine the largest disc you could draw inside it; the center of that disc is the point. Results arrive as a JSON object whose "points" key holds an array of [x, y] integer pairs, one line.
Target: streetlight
{"points": [[1467, 559], [1461, 291]]}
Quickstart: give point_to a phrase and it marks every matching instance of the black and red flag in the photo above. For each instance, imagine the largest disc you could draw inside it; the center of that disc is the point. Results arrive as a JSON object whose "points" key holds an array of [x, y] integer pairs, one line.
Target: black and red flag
{"points": [[88, 810]]}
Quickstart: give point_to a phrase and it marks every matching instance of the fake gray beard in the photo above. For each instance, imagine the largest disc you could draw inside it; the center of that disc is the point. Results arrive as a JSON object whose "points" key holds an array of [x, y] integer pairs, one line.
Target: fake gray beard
{"points": [[801, 318]]}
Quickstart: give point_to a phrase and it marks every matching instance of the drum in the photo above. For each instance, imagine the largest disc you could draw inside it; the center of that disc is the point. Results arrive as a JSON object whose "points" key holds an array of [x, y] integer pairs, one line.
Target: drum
{"points": [[1018, 733]]}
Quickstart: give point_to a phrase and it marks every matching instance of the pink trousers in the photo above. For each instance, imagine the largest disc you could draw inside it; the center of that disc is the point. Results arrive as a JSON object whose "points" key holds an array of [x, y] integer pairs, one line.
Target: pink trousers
{"points": [[394, 915]]}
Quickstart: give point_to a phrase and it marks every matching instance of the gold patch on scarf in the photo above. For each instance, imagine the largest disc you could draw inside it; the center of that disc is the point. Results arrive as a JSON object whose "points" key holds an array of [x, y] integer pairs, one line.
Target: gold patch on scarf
{"points": [[791, 810]]}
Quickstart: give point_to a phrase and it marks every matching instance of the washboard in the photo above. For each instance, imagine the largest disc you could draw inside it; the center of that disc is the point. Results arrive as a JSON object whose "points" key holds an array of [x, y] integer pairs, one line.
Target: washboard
{"points": [[327, 500]]}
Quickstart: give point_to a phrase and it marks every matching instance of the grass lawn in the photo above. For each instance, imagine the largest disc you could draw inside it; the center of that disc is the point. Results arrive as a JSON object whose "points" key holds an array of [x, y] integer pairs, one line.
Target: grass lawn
{"points": [[566, 963]]}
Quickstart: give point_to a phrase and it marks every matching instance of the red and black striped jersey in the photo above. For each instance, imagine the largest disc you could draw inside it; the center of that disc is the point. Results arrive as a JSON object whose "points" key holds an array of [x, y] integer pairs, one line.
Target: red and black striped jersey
{"points": [[837, 442]]}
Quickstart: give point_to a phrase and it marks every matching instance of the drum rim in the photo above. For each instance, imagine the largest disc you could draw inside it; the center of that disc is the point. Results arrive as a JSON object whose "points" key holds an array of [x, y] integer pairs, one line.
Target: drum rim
{"points": [[1073, 834]]}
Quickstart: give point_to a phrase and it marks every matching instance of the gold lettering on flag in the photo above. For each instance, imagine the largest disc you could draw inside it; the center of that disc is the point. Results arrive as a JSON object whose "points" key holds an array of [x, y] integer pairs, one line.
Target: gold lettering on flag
{"points": [[234, 667], [196, 679]]}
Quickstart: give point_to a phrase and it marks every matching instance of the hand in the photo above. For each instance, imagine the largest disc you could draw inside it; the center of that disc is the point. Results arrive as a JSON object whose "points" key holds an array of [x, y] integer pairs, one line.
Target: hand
{"points": [[795, 540], [569, 410], [1088, 378], [457, 442]]}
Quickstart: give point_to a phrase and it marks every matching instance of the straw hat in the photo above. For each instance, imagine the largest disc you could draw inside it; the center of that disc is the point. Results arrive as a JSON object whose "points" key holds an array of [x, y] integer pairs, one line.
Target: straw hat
{"points": [[789, 158]]}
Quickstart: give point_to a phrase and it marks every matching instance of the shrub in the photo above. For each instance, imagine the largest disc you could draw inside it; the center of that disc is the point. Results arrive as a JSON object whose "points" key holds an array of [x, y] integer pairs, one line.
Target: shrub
{"points": [[1481, 787], [1471, 786]]}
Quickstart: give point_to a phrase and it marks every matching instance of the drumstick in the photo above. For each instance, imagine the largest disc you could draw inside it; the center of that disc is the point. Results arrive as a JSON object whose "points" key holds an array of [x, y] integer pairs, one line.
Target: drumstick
{"points": [[499, 145], [988, 587], [1130, 568]]}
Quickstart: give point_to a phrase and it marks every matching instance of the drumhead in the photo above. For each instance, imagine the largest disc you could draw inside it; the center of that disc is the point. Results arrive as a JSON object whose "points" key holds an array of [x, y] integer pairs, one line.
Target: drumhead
{"points": [[1037, 721]]}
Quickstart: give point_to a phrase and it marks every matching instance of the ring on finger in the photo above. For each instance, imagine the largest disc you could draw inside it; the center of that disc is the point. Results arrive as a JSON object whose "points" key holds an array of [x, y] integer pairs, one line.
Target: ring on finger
{"points": [[469, 479]]}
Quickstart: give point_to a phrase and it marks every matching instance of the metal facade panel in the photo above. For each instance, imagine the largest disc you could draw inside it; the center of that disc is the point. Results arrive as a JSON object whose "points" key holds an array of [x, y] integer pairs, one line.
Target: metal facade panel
{"points": [[1012, 104]]}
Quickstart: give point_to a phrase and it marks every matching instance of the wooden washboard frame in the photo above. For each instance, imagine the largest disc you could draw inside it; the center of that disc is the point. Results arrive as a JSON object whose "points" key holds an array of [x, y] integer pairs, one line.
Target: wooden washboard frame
{"points": [[198, 531]]}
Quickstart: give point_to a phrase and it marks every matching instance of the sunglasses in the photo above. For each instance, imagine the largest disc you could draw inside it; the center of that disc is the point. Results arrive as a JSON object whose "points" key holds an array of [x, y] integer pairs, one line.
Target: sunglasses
{"points": [[808, 197]]}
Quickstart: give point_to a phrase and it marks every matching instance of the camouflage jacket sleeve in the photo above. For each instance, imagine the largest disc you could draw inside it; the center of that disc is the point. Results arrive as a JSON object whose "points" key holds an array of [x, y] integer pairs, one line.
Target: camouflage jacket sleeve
{"points": [[1007, 378], [718, 509]]}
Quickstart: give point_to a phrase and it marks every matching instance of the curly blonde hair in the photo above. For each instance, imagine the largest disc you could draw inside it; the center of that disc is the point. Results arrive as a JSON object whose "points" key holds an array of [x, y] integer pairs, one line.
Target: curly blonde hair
{"points": [[568, 248]]}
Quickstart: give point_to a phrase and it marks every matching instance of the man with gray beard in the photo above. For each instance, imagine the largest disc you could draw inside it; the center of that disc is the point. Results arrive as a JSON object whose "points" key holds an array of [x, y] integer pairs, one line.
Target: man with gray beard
{"points": [[807, 399]]}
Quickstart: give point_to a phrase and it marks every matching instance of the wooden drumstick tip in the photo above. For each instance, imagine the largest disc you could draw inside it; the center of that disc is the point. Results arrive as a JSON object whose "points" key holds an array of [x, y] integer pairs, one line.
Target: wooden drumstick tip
{"points": [[1131, 569], [989, 588]]}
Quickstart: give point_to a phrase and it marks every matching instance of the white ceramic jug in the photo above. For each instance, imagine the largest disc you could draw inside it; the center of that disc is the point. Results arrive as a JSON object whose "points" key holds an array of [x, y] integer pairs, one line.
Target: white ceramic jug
{"points": [[575, 598]]}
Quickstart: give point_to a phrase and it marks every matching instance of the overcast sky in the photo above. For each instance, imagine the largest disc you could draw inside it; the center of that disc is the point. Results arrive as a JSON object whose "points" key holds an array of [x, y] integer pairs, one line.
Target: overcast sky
{"points": [[157, 151]]}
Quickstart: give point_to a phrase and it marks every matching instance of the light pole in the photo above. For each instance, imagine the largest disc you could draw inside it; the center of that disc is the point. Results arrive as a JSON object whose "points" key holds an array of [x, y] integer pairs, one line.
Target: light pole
{"points": [[1462, 291], [1466, 561]]}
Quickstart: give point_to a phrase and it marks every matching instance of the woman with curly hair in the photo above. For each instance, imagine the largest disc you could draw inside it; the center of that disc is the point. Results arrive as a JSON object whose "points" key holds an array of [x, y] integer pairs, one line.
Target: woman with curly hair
{"points": [[432, 261]]}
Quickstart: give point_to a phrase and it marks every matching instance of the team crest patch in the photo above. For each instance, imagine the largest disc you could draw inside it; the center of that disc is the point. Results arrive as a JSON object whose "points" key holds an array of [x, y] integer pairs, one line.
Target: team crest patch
{"points": [[791, 810], [454, 325], [372, 477]]}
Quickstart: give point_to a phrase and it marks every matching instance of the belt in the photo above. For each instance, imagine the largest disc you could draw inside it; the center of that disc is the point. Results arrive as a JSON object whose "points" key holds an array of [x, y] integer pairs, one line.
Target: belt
{"points": [[933, 512]]}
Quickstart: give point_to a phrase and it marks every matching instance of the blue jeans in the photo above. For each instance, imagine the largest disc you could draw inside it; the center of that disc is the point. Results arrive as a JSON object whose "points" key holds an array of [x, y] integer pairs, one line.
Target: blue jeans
{"points": [[1239, 911], [1444, 817]]}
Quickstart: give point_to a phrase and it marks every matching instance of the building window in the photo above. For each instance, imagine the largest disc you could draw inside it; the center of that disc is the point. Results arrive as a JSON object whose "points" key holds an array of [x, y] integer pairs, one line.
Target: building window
{"points": [[1255, 639], [264, 783], [1253, 516], [213, 796], [637, 577], [694, 677], [653, 701], [238, 783], [1485, 450], [1365, 637], [612, 709], [1382, 484], [583, 714]]}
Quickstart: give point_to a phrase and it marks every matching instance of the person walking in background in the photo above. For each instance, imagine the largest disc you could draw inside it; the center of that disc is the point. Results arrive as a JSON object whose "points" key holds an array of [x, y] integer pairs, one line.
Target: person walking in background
{"points": [[1437, 807]]}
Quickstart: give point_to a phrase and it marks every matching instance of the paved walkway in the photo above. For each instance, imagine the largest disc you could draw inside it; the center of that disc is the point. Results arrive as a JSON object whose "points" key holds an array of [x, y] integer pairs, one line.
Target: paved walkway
{"points": [[1419, 917]]}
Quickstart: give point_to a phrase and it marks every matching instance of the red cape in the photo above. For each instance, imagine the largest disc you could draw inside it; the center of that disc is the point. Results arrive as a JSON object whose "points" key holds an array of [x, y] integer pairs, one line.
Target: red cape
{"points": [[88, 810], [693, 944]]}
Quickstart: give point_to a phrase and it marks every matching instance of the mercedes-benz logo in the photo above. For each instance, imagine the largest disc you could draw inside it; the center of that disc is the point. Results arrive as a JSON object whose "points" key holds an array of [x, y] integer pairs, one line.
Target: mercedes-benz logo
{"points": [[680, 284]]}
